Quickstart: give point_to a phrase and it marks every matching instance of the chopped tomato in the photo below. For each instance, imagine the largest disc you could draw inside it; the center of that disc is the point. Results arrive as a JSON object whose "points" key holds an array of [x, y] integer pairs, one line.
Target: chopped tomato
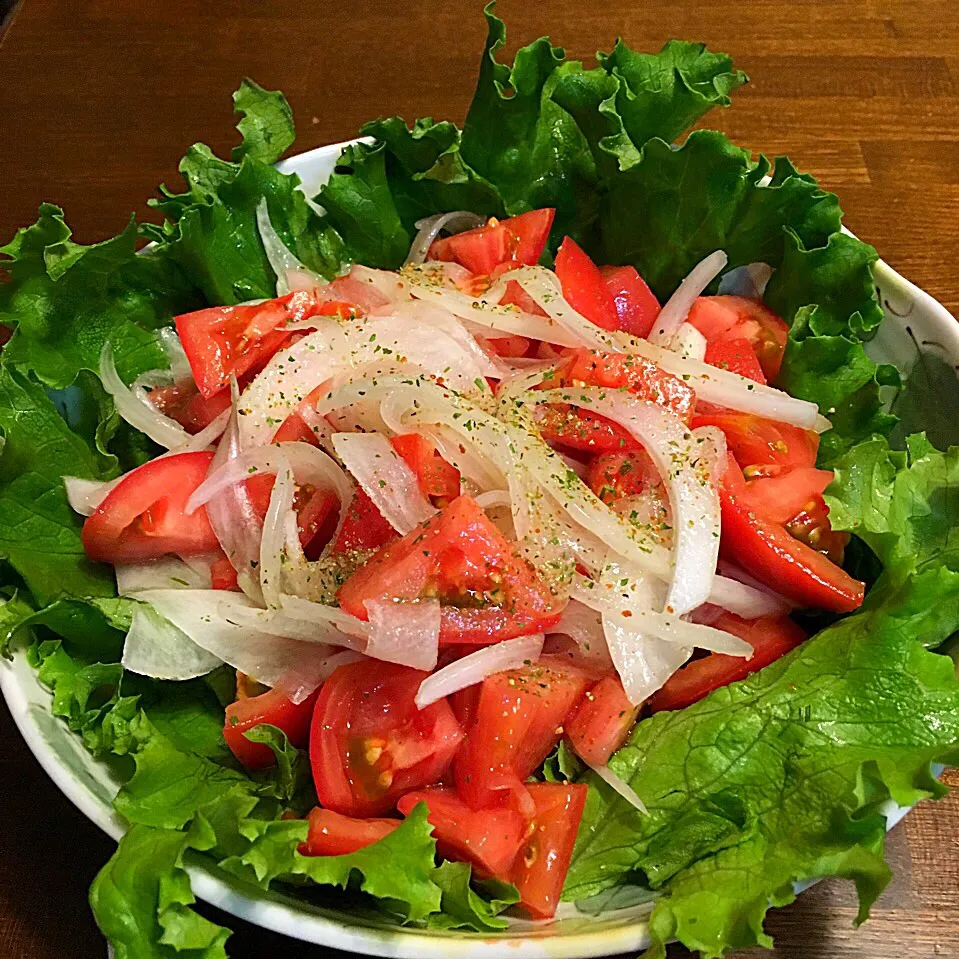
{"points": [[612, 476], [518, 720], [602, 722], [333, 834], [636, 306], [142, 516], [811, 525], [780, 498], [541, 866], [364, 527], [488, 838], [488, 593], [436, 477], [317, 511], [370, 745], [223, 574], [583, 430], [225, 341], [763, 447], [735, 317], [768, 551], [510, 346], [737, 356], [584, 287], [274, 708], [771, 638], [516, 296], [517, 241], [192, 410]]}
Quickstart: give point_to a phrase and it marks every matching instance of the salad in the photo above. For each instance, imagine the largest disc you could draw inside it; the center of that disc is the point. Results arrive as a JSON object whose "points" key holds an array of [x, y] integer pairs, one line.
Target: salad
{"points": [[518, 526]]}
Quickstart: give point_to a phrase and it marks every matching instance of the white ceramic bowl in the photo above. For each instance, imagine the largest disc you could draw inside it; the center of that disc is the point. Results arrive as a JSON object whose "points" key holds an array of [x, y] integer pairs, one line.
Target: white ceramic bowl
{"points": [[89, 785]]}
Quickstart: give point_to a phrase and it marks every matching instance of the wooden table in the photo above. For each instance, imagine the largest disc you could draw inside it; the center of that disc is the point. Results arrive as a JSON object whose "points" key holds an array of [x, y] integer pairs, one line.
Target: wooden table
{"points": [[101, 98]]}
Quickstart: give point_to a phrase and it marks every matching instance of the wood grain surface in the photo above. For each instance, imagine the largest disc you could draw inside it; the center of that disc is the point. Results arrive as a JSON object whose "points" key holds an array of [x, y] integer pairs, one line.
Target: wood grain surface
{"points": [[102, 97]]}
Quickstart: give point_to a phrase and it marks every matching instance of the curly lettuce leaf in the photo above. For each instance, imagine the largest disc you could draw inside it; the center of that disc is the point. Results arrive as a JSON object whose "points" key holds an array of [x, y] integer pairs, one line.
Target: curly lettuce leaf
{"points": [[141, 898], [267, 124], [66, 300], [463, 908]]}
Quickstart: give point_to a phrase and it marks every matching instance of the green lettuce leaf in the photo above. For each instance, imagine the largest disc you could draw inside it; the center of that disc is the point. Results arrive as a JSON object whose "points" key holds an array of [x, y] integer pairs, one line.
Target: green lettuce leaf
{"points": [[463, 907], [66, 300], [267, 124], [141, 899]]}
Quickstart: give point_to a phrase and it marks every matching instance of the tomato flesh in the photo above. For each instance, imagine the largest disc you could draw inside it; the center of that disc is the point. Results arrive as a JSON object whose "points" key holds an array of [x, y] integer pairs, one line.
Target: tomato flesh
{"points": [[333, 834], [274, 708], [602, 722], [636, 305], [737, 356], [192, 410], [143, 517], [584, 287], [436, 477], [364, 527], [370, 745], [611, 476], [223, 574], [488, 593], [518, 720], [769, 552], [539, 870], [518, 241], [771, 638], [488, 838], [781, 497], [763, 447]]}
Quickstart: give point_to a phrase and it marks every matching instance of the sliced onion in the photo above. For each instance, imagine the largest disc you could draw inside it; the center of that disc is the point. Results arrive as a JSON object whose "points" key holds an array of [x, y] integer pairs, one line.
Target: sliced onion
{"points": [[206, 617], [311, 466], [168, 572], [688, 342], [585, 627], [372, 289], [180, 370], [298, 686], [677, 307], [387, 479], [138, 412], [318, 425], [232, 515], [620, 786], [694, 499], [324, 616], [84, 495], [407, 634], [475, 667], [733, 571], [155, 647], [493, 498], [282, 259], [746, 601], [280, 622], [273, 543], [429, 229], [517, 383]]}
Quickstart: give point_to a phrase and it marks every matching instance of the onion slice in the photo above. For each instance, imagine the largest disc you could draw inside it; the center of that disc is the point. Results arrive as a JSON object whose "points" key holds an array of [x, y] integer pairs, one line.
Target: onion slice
{"points": [[474, 668], [282, 259], [273, 542], [84, 495], [387, 479], [677, 307], [619, 785], [405, 633], [429, 229], [155, 647], [167, 572]]}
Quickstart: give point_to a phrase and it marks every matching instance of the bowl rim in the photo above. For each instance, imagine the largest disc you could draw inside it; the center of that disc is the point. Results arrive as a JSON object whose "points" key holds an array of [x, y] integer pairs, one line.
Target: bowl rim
{"points": [[327, 927]]}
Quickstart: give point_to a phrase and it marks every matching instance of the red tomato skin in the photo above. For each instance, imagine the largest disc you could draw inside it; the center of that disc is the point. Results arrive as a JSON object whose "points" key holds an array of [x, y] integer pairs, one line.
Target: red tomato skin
{"points": [[636, 305], [517, 241], [539, 870], [316, 520], [516, 296], [518, 720], [602, 723], [510, 346], [772, 555], [737, 356], [770, 636], [781, 497], [192, 410], [584, 287], [364, 527], [369, 744], [457, 553], [730, 317], [332, 834], [611, 476], [488, 838], [436, 477], [583, 430], [757, 442], [272, 707], [223, 575], [142, 517]]}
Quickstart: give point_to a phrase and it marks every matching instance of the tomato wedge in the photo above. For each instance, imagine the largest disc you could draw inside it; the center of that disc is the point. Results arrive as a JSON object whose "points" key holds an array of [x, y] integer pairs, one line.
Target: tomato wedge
{"points": [[502, 244], [142, 516], [584, 287], [771, 638], [737, 356], [636, 305], [488, 592], [369, 744], [364, 527], [192, 410], [736, 317], [602, 722], [333, 834], [517, 721], [223, 574], [541, 866], [769, 552], [436, 477], [488, 838], [763, 447], [779, 498], [274, 708], [611, 476]]}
